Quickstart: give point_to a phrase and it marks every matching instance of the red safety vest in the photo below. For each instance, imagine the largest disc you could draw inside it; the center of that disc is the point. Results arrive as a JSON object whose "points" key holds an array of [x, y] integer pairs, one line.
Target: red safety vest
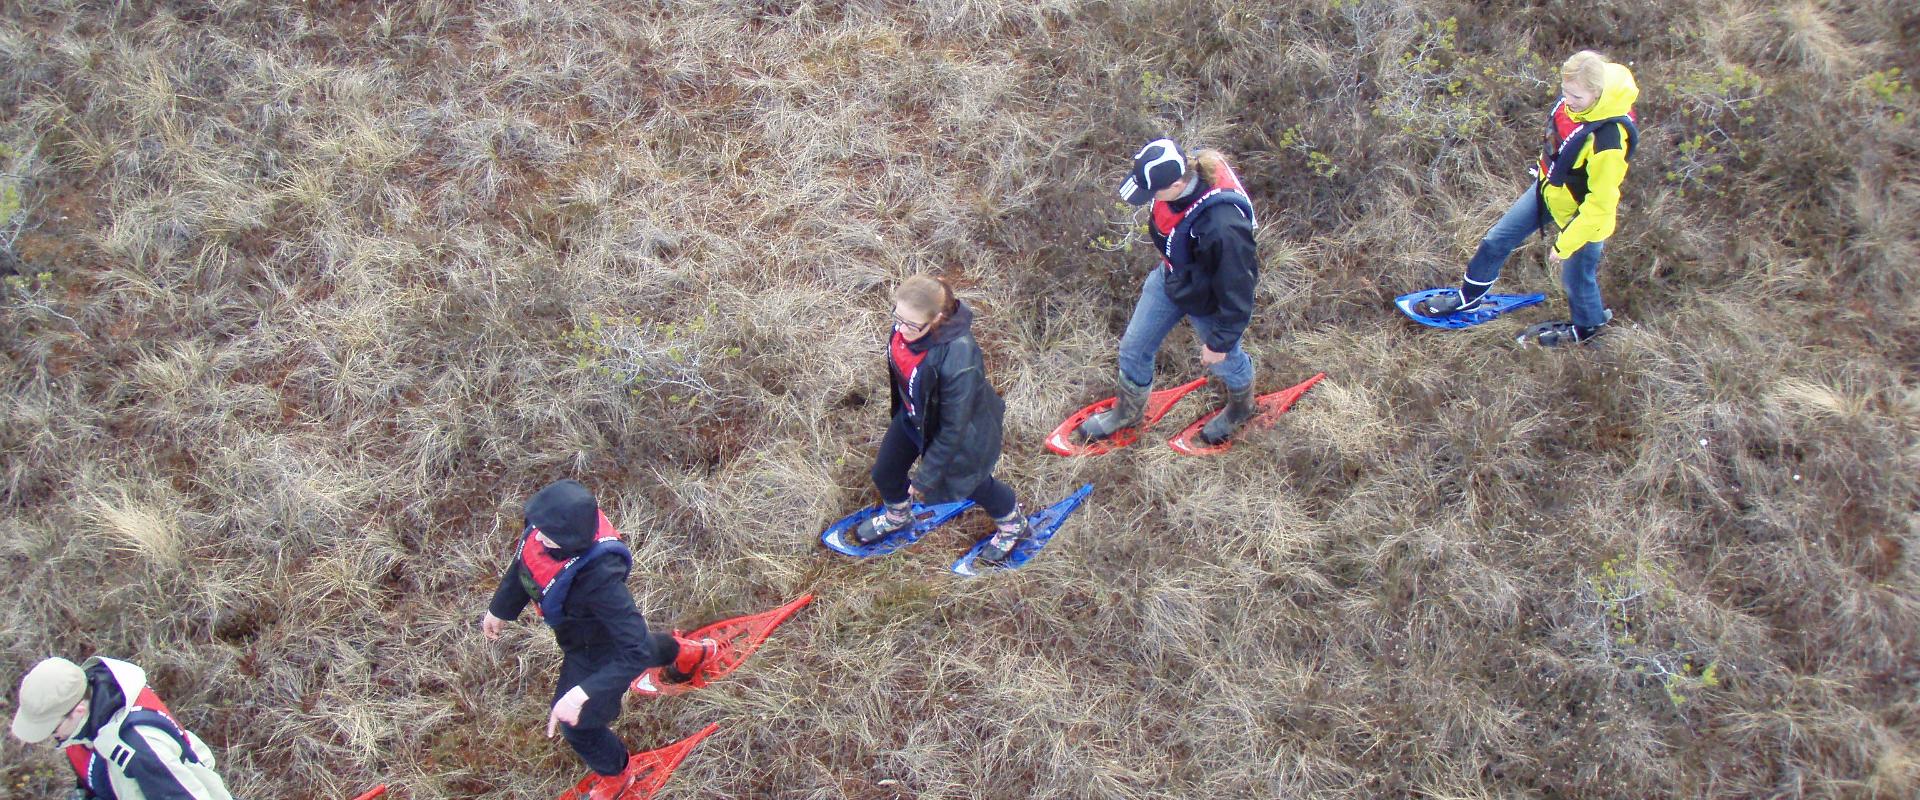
{"points": [[906, 368], [82, 757], [548, 579], [1170, 226]]}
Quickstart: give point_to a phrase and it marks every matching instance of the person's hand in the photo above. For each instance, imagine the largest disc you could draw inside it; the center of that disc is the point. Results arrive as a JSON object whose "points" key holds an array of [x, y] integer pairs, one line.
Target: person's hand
{"points": [[491, 626], [1209, 358], [566, 709]]}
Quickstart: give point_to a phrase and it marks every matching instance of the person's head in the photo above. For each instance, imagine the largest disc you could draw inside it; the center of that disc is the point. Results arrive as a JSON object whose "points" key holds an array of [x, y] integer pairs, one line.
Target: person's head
{"points": [[920, 304], [566, 516], [1159, 173], [52, 703], [1582, 79]]}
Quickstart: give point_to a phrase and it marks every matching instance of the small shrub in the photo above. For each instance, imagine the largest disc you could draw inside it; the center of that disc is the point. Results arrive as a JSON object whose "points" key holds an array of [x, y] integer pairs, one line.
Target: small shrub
{"points": [[1718, 108], [667, 359], [1444, 95], [1632, 600]]}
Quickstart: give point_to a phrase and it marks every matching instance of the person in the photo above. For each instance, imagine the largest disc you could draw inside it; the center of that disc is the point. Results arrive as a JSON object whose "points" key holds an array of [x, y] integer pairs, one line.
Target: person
{"points": [[945, 415], [571, 565], [121, 740], [1590, 135], [1203, 226]]}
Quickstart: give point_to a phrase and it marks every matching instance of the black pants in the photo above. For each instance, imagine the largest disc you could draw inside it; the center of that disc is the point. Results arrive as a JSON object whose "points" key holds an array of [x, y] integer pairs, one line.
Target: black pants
{"points": [[898, 450], [593, 738]]}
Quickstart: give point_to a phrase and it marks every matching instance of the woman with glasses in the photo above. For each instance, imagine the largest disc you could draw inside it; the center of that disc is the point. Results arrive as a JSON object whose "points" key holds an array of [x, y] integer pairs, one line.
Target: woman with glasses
{"points": [[945, 415]]}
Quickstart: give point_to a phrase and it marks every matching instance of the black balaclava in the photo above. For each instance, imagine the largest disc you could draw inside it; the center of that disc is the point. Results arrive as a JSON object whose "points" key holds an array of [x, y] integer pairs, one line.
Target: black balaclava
{"points": [[566, 512]]}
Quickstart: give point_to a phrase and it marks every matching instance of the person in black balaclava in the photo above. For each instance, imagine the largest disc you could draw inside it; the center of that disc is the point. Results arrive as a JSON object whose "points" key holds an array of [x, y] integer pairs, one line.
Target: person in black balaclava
{"points": [[571, 564]]}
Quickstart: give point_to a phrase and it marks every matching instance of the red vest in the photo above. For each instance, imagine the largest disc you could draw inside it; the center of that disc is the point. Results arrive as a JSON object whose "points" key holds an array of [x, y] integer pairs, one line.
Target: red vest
{"points": [[906, 367], [82, 758], [547, 579], [1560, 125], [1169, 225]]}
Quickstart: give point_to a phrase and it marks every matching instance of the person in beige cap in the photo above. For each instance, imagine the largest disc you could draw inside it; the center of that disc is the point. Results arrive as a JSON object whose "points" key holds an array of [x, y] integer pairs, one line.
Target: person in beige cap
{"points": [[121, 741]]}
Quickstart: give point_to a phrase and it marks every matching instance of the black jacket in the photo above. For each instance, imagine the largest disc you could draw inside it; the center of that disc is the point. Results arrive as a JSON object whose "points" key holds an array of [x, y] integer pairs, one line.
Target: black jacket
{"points": [[1219, 283], [960, 414], [599, 621]]}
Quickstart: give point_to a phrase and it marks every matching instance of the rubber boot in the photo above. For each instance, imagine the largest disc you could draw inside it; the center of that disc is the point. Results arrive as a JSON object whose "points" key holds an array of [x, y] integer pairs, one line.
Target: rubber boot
{"points": [[1226, 423], [879, 526], [1130, 407], [1447, 305], [612, 787], [692, 654], [1008, 533]]}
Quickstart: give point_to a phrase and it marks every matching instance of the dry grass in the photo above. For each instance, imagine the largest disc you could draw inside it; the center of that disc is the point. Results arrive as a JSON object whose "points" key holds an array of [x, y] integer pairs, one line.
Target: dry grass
{"points": [[318, 310]]}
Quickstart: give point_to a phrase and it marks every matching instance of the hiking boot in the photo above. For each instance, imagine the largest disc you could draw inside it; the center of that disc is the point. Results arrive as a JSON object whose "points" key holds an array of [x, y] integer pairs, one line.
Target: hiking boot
{"points": [[1223, 425], [879, 526], [707, 649], [1007, 536], [1562, 333], [1129, 408], [612, 787], [1447, 305]]}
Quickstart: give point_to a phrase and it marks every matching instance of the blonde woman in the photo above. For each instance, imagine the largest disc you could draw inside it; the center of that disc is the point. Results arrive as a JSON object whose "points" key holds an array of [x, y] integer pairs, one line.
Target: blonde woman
{"points": [[1203, 226], [1590, 135]]}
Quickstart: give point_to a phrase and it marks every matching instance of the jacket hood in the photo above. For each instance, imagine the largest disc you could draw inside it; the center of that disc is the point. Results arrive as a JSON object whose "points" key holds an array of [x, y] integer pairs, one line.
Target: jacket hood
{"points": [[956, 326], [112, 685], [1616, 98], [566, 512]]}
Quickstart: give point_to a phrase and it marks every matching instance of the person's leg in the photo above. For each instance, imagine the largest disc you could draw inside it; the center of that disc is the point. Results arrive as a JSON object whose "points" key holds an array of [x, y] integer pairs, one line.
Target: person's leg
{"points": [[1154, 316], [1581, 275], [1236, 370], [891, 465], [1009, 521], [1522, 219], [994, 497], [898, 450], [592, 739], [602, 751], [681, 657], [1236, 374]]}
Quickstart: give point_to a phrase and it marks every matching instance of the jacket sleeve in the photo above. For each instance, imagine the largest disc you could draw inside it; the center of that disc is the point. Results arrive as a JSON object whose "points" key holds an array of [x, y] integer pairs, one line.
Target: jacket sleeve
{"points": [[154, 764], [509, 598], [1593, 222], [959, 392], [602, 591], [1226, 244]]}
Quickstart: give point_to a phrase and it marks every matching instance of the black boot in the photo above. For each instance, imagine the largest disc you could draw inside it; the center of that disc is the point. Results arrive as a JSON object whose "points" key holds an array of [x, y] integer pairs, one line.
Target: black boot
{"points": [[1008, 535], [1447, 305], [884, 524], [1239, 410], [1128, 409]]}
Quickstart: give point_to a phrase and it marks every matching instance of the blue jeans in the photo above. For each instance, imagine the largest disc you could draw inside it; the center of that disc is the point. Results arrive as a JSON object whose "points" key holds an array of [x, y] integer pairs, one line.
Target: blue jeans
{"points": [[1580, 274], [1153, 318]]}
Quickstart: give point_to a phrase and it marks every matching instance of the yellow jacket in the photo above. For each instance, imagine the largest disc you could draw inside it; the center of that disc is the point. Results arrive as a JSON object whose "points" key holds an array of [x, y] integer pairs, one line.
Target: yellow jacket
{"points": [[1587, 219]]}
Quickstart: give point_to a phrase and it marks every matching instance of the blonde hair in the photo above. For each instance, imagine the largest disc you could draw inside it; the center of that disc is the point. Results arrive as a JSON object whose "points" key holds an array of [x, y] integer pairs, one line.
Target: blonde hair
{"points": [[928, 295], [1586, 69], [1210, 164]]}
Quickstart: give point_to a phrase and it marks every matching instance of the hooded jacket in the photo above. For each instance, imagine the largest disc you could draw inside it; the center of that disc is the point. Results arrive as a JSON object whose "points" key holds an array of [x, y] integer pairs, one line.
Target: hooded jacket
{"points": [[959, 414], [138, 753], [1585, 206], [598, 621], [1221, 269]]}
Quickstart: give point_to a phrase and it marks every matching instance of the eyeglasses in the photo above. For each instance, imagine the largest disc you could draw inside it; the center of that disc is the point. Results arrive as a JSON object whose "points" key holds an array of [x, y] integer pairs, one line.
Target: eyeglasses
{"points": [[909, 326]]}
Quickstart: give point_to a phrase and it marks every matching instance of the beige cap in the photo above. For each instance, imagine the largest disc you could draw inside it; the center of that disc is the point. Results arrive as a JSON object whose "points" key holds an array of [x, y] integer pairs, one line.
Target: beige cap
{"points": [[47, 695]]}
